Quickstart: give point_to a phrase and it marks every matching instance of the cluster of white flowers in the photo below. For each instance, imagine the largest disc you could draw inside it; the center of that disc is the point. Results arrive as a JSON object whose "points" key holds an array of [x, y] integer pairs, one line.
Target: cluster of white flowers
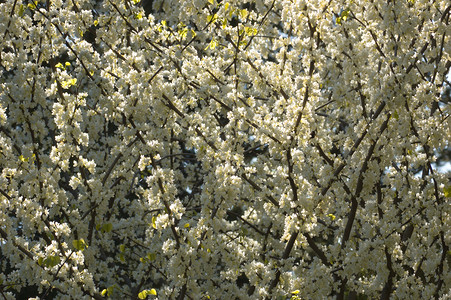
{"points": [[204, 149]]}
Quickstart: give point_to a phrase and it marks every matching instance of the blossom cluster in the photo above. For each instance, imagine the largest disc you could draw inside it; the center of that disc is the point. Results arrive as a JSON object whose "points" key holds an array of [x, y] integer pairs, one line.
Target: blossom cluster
{"points": [[279, 149]]}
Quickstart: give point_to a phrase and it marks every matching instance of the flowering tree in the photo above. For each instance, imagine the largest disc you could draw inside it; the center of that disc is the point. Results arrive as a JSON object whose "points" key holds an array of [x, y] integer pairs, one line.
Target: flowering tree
{"points": [[205, 149]]}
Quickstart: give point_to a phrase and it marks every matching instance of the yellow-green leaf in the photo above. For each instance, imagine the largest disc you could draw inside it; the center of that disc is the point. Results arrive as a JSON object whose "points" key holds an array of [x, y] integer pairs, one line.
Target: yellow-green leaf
{"points": [[122, 248], [343, 16], [212, 45], [243, 13], [183, 32], [107, 227], [80, 244], [108, 291], [68, 83], [161, 26], [447, 191], [242, 43], [32, 5], [212, 18], [154, 222], [250, 31], [151, 256], [50, 261], [21, 10], [143, 294]]}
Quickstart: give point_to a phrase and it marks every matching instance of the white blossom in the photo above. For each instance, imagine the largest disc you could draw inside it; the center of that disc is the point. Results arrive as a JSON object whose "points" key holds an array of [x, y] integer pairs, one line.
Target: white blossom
{"points": [[212, 149]]}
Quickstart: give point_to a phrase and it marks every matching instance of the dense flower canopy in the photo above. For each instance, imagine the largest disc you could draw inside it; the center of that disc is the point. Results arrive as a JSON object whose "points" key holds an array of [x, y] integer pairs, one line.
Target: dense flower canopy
{"points": [[207, 149]]}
